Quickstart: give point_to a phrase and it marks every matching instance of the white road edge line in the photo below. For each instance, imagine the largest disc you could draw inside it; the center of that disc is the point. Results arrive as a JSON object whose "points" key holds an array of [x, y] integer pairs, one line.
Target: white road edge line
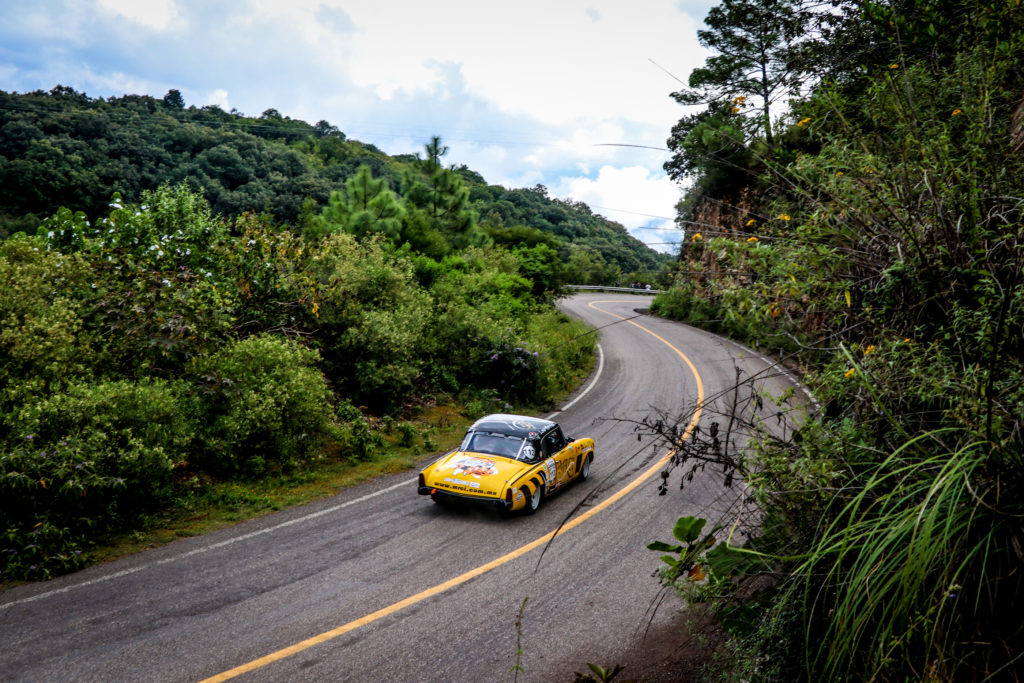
{"points": [[783, 370], [204, 549], [282, 525]]}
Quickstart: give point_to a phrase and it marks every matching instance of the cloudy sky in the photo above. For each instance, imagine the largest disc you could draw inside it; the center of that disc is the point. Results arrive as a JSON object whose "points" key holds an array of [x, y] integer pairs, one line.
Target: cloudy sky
{"points": [[523, 92]]}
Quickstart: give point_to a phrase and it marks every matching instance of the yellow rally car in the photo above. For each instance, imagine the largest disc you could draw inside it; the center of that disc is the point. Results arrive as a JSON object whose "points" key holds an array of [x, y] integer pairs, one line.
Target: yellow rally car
{"points": [[509, 461]]}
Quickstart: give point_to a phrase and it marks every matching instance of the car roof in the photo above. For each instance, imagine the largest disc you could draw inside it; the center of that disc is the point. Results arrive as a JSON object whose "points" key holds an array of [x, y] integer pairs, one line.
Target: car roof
{"points": [[513, 425]]}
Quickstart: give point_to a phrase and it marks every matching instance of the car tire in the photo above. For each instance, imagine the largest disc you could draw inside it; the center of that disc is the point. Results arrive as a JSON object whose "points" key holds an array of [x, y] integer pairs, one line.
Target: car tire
{"points": [[533, 501], [585, 470]]}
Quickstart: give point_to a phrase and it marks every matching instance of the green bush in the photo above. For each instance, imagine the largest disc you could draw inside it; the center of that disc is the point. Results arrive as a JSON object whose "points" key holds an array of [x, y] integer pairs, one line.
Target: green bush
{"points": [[81, 461], [371, 317], [135, 431], [264, 406], [893, 259], [43, 340], [565, 350]]}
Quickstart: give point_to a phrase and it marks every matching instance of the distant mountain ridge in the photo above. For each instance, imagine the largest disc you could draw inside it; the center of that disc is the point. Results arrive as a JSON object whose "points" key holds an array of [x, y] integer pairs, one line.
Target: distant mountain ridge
{"points": [[63, 148]]}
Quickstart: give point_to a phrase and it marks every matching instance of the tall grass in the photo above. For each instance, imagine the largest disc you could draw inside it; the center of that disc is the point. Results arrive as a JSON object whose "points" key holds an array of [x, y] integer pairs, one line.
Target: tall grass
{"points": [[907, 555]]}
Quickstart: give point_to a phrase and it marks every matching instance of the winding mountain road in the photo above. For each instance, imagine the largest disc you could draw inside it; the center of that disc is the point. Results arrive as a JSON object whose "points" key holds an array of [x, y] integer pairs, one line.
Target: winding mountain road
{"points": [[378, 583]]}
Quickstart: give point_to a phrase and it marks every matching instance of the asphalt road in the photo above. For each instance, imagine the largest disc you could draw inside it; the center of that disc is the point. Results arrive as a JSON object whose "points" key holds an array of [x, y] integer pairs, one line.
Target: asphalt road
{"points": [[378, 583]]}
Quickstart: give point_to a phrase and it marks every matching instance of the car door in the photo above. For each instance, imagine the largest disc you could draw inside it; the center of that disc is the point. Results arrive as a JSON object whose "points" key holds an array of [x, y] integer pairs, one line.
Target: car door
{"points": [[557, 449]]}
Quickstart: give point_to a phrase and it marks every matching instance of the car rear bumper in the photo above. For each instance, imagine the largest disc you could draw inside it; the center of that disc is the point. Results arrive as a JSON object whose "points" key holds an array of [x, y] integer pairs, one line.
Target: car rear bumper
{"points": [[496, 503]]}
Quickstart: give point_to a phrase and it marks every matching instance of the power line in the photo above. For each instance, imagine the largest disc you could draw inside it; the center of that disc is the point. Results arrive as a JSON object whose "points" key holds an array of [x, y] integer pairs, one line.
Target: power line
{"points": [[623, 144], [635, 213]]}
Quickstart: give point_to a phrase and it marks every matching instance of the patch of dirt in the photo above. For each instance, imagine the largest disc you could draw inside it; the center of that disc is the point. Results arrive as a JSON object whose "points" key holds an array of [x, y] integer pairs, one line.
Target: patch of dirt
{"points": [[674, 652]]}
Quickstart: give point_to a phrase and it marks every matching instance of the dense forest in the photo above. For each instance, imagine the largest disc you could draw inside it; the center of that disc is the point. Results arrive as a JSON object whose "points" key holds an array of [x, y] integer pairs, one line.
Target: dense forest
{"points": [[64, 149], [855, 206], [193, 297]]}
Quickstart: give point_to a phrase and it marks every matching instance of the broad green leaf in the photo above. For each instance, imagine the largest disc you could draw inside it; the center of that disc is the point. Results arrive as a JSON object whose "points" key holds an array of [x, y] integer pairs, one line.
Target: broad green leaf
{"points": [[687, 529]]}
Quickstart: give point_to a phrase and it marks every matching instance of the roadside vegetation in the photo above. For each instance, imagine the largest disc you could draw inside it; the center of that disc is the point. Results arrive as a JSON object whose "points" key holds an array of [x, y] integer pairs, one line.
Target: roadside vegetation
{"points": [[162, 365], [200, 507], [871, 235]]}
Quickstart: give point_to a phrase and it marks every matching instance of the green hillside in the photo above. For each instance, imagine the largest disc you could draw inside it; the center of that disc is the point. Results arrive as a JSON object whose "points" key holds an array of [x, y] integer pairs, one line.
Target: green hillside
{"points": [[64, 149]]}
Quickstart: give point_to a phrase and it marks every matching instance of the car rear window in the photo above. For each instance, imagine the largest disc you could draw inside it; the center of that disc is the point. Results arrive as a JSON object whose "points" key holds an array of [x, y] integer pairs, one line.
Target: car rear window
{"points": [[493, 443]]}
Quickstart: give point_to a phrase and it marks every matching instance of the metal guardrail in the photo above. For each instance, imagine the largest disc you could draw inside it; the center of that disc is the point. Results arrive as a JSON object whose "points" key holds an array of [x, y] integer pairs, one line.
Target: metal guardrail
{"points": [[603, 288]]}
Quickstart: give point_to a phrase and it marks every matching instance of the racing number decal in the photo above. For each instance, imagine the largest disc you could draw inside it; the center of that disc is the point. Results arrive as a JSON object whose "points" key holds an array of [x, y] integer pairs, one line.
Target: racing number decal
{"points": [[552, 472], [560, 470]]}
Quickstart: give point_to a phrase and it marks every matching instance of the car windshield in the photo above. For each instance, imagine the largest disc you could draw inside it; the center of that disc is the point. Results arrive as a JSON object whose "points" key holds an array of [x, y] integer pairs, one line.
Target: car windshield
{"points": [[494, 443]]}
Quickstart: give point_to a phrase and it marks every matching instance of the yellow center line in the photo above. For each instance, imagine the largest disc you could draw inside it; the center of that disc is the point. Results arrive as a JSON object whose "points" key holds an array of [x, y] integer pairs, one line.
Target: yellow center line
{"points": [[484, 568]]}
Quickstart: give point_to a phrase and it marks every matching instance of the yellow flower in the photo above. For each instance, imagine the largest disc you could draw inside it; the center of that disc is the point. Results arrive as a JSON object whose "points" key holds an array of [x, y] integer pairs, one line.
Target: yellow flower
{"points": [[906, 339], [868, 351], [750, 222], [783, 217], [316, 309], [752, 239], [839, 173], [803, 122], [697, 237], [735, 110], [849, 373], [957, 112], [869, 170], [894, 66], [739, 99]]}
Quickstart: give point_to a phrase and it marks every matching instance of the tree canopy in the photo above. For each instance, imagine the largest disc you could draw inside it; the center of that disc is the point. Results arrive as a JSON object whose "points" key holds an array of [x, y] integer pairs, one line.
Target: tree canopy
{"points": [[63, 148]]}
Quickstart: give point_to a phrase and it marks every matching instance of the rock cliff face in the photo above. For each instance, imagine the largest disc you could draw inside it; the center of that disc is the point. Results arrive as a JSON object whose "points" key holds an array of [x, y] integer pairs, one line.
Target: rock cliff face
{"points": [[723, 217], [709, 217]]}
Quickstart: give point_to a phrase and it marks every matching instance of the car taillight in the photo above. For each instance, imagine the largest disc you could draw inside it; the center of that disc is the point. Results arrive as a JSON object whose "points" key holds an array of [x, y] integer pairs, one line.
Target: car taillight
{"points": [[423, 480], [508, 497]]}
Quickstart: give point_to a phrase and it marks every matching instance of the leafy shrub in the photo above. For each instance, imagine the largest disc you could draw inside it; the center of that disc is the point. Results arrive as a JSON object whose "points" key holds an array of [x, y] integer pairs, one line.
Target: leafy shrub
{"points": [[371, 319], [135, 431], [358, 441], [565, 350], [264, 406], [512, 370], [39, 551], [85, 459], [43, 340], [893, 257], [406, 434]]}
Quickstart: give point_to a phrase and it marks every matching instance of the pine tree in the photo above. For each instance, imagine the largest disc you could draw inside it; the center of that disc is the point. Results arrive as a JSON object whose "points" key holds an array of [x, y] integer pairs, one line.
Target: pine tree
{"points": [[759, 46], [366, 207]]}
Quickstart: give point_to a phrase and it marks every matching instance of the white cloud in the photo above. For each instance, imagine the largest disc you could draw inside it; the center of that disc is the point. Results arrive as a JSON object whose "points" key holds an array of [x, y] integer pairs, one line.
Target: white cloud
{"points": [[117, 82], [558, 62], [218, 97], [641, 201], [155, 14]]}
